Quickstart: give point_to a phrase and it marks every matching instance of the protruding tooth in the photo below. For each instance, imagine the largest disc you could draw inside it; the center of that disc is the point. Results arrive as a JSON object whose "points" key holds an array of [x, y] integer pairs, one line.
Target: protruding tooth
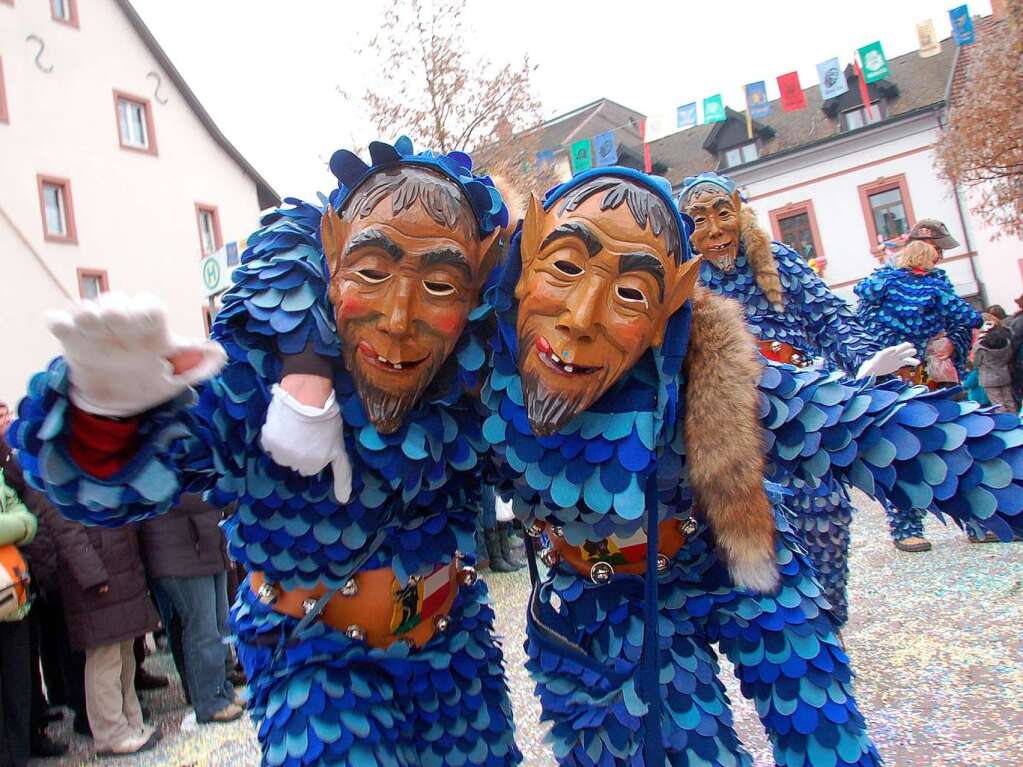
{"points": [[381, 358], [556, 358], [569, 368], [397, 366]]}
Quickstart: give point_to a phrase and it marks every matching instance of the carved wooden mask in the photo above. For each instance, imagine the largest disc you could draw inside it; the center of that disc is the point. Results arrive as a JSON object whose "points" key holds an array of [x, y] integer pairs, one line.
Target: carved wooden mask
{"points": [[596, 292], [406, 263]]}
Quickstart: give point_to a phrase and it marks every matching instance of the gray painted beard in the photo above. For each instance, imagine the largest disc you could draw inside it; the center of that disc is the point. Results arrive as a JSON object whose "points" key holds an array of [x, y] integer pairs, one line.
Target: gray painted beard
{"points": [[548, 411], [387, 412], [724, 263]]}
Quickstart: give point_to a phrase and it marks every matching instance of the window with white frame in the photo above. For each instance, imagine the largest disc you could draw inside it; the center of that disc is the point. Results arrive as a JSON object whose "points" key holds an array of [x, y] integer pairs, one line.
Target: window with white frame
{"points": [[858, 117], [207, 231], [63, 10], [55, 209], [91, 284], [738, 155], [133, 122]]}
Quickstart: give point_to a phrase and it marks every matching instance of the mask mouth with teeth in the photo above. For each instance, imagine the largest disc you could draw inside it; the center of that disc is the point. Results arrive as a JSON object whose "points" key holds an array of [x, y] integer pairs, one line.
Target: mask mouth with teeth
{"points": [[602, 273]]}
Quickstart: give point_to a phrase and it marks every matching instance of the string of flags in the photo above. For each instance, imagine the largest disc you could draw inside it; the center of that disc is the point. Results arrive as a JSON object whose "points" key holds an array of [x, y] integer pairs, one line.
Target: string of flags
{"points": [[868, 61]]}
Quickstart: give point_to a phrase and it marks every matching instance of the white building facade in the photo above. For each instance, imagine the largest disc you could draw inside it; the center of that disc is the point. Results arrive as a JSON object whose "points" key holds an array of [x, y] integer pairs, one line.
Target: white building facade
{"points": [[847, 186], [112, 175]]}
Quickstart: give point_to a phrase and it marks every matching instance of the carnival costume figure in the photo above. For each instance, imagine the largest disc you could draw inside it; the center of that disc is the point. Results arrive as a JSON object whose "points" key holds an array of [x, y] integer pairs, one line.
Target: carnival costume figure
{"points": [[796, 318], [365, 634], [915, 302], [625, 417]]}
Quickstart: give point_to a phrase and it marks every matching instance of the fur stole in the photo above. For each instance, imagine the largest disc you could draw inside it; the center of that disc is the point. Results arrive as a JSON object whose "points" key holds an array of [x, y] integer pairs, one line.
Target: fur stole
{"points": [[757, 244], [724, 442]]}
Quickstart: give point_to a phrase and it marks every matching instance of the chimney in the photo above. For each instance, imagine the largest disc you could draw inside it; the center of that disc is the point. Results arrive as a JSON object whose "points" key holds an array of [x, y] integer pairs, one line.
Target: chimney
{"points": [[998, 9]]}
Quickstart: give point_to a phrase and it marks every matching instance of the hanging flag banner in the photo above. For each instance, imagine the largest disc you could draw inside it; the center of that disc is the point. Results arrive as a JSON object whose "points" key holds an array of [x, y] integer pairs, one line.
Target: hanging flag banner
{"points": [[832, 79], [929, 43], [685, 115], [864, 91], [605, 151], [792, 96], [582, 156], [962, 25], [873, 62], [544, 160], [756, 100], [713, 109]]}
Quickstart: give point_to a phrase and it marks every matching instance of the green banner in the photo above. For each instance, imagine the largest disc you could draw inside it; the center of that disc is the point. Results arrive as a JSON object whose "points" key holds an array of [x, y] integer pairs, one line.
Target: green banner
{"points": [[582, 156], [873, 62], [713, 109]]}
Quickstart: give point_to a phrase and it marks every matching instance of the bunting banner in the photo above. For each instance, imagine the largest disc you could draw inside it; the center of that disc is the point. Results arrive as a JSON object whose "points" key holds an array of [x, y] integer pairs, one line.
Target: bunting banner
{"points": [[756, 100], [792, 96], [582, 156], [685, 115], [929, 43], [873, 62], [864, 91], [832, 79], [647, 163], [713, 109], [962, 25], [605, 151], [544, 160]]}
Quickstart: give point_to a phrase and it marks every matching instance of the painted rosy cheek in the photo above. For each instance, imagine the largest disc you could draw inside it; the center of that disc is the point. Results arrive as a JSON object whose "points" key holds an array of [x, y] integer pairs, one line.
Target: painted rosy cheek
{"points": [[353, 306], [448, 323]]}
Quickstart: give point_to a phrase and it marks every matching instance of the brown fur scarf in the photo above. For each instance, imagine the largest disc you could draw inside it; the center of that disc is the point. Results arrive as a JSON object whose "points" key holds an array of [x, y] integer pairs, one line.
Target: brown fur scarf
{"points": [[757, 244], [724, 442]]}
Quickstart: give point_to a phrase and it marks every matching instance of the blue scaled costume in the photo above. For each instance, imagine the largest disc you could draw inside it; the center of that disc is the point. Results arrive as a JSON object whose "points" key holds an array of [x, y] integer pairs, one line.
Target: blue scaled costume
{"points": [[604, 480], [626, 664], [796, 318], [321, 696], [897, 305]]}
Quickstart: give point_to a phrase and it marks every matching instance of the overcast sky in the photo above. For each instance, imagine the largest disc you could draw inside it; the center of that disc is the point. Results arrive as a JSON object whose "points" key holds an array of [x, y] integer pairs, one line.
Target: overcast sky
{"points": [[272, 73]]}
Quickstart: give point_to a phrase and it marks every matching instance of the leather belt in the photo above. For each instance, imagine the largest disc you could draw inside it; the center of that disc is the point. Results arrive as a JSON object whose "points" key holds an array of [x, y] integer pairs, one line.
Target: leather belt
{"points": [[787, 354], [373, 607], [602, 560]]}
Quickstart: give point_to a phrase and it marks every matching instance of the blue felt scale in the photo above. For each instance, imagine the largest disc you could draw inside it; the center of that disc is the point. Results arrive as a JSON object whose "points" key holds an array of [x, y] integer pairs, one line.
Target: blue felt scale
{"points": [[322, 699]]}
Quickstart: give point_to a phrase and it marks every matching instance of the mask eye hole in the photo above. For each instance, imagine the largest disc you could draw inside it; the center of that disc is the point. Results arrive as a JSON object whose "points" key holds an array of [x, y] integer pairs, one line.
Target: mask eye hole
{"points": [[372, 276], [567, 267], [631, 295], [438, 288]]}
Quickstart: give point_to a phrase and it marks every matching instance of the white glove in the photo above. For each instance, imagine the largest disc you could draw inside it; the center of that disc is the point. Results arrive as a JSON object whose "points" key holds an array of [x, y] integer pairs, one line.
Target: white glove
{"points": [[118, 352], [888, 360], [307, 439]]}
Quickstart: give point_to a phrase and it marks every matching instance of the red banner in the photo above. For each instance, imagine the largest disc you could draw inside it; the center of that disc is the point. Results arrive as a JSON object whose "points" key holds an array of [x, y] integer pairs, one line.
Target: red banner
{"points": [[647, 164], [792, 96], [868, 108]]}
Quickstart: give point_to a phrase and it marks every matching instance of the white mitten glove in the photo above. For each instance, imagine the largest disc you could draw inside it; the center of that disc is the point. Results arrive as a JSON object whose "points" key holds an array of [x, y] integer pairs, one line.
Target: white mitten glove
{"points": [[888, 360], [307, 439], [118, 351]]}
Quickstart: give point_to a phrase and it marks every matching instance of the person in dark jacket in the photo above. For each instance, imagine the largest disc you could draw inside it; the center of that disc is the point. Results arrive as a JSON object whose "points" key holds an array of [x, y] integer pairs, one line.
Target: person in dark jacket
{"points": [[46, 620], [185, 555], [107, 605]]}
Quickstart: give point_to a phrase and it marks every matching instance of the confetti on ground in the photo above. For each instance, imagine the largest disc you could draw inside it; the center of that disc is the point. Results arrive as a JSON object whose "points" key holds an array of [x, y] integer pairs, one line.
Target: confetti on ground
{"points": [[935, 639]]}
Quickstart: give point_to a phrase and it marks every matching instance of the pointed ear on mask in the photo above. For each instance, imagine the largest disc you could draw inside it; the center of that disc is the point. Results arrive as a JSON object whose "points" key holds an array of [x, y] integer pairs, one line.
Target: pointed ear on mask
{"points": [[685, 282], [333, 233], [490, 250], [532, 231]]}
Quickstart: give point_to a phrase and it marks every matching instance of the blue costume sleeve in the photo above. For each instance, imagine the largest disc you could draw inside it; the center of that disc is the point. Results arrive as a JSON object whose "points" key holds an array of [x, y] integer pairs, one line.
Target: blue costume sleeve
{"points": [[909, 447], [791, 665], [277, 305], [828, 320]]}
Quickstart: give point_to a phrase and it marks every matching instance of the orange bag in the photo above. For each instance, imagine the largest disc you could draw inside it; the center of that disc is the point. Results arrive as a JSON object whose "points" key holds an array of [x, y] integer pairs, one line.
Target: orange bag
{"points": [[14, 580]]}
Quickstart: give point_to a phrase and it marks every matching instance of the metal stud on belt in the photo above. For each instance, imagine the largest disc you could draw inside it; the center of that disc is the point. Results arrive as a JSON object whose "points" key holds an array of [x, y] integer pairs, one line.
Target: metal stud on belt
{"points": [[558, 531], [442, 622], [601, 572], [468, 576], [550, 557], [350, 589], [688, 527], [355, 632], [268, 593], [775, 346], [308, 605], [535, 530], [663, 563]]}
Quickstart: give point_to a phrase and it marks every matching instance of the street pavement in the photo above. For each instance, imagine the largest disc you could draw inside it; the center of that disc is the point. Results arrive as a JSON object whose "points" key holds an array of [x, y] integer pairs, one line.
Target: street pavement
{"points": [[935, 639]]}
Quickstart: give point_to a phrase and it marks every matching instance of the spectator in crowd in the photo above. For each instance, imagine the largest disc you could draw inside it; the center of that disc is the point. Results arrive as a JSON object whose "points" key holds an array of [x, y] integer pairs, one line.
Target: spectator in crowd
{"points": [[991, 356], [46, 619], [935, 234], [6, 416], [103, 587], [185, 555], [17, 529], [145, 680]]}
